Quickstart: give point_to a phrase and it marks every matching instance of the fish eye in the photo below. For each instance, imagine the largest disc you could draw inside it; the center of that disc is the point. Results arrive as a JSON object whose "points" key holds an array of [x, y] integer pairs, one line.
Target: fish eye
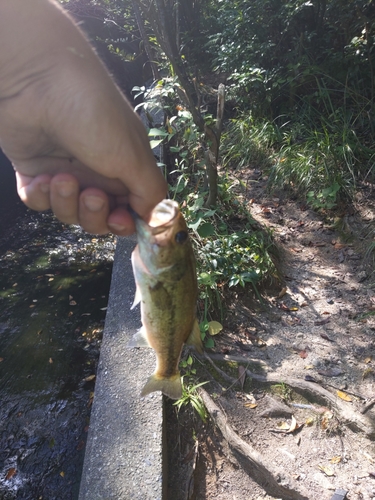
{"points": [[181, 237]]}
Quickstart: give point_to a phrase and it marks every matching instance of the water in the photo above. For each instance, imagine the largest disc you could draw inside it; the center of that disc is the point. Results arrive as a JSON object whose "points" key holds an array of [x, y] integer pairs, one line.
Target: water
{"points": [[54, 285]]}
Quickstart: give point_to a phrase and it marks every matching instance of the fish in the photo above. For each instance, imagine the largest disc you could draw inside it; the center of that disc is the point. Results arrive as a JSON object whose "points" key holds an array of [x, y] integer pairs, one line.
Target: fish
{"points": [[166, 287]]}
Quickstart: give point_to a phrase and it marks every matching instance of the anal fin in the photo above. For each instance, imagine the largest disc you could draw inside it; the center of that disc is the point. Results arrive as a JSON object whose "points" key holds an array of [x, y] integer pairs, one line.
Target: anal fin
{"points": [[139, 339], [194, 338]]}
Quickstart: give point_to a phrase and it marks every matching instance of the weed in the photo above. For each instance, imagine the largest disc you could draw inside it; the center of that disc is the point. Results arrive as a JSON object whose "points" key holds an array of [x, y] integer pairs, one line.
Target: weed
{"points": [[190, 396]]}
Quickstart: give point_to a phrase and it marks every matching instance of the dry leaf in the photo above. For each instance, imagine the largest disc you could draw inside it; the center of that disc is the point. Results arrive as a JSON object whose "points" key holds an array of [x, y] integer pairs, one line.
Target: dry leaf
{"points": [[368, 360], [335, 460], [283, 292], [322, 322], [325, 336], [72, 303], [310, 421], [62, 473], [283, 426], [293, 426], [11, 472], [293, 308], [89, 378], [327, 470], [241, 375], [367, 373], [251, 405], [50, 361], [309, 367], [344, 396], [214, 327]]}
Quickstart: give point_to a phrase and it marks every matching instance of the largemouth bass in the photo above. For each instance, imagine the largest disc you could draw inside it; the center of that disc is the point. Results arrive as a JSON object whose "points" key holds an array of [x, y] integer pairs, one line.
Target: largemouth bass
{"points": [[164, 271]]}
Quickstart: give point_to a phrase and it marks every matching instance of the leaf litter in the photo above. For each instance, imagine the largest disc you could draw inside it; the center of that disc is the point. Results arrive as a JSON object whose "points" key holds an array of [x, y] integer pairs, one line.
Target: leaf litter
{"points": [[322, 305]]}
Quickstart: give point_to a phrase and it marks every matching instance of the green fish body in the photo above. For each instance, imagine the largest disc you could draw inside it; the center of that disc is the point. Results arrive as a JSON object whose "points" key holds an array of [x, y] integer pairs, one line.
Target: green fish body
{"points": [[164, 271]]}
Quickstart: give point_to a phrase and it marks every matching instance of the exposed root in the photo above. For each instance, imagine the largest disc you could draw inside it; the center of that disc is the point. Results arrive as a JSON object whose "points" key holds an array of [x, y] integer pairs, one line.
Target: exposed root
{"points": [[346, 412], [264, 474]]}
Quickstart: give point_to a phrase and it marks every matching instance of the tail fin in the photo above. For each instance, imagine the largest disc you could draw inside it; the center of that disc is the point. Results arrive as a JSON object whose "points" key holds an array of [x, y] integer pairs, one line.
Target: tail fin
{"points": [[171, 387]]}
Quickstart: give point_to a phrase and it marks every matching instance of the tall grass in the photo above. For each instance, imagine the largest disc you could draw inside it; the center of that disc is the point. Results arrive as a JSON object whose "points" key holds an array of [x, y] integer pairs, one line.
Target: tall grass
{"points": [[321, 152]]}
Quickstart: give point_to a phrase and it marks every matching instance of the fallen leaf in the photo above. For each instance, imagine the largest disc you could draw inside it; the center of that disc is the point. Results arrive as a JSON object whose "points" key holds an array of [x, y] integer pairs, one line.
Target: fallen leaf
{"points": [[103, 308], [367, 373], [283, 426], [214, 327], [325, 336], [62, 473], [327, 470], [89, 378], [335, 460], [80, 445], [293, 309], [368, 360], [309, 367], [50, 361], [72, 303], [11, 472], [242, 375], [283, 292], [283, 307], [322, 322], [293, 426], [344, 396], [251, 405], [310, 421]]}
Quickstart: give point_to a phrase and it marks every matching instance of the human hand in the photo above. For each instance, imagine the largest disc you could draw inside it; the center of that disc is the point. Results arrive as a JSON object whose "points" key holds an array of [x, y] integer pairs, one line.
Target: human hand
{"points": [[75, 142]]}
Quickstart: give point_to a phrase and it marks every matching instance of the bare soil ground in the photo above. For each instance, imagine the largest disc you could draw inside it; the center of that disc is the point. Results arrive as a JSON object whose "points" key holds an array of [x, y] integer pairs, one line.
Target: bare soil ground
{"points": [[313, 342]]}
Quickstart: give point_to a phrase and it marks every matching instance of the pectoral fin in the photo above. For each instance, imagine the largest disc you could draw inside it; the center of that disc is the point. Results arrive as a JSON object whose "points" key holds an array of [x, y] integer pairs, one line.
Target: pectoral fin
{"points": [[137, 297], [194, 338], [139, 339]]}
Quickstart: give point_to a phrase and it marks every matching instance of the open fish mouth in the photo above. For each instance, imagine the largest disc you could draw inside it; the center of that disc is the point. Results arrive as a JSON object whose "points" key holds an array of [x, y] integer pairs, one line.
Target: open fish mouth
{"points": [[162, 216], [164, 213]]}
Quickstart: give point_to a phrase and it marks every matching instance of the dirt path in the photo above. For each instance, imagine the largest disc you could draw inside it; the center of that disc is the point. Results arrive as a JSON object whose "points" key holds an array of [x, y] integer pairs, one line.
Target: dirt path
{"points": [[318, 326]]}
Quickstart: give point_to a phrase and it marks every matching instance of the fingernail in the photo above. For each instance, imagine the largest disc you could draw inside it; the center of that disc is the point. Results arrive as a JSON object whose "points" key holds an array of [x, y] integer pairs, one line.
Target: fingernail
{"points": [[93, 203], [44, 188], [65, 189], [117, 228]]}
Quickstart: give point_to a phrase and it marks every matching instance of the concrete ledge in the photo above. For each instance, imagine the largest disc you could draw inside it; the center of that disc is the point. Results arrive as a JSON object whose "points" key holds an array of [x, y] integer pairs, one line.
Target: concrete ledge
{"points": [[123, 458]]}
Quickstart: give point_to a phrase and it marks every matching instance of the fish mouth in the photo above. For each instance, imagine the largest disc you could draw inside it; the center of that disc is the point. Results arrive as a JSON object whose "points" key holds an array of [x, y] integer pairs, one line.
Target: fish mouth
{"points": [[162, 217]]}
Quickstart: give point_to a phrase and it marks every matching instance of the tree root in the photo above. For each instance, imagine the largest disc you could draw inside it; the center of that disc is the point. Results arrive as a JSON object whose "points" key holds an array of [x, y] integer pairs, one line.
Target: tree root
{"points": [[264, 474], [345, 412]]}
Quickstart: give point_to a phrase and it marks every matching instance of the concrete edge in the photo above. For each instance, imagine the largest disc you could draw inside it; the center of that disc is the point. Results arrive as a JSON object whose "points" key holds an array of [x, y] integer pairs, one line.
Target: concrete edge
{"points": [[124, 450]]}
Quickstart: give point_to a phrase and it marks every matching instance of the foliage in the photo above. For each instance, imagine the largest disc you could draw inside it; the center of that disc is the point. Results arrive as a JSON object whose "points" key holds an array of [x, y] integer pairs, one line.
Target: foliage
{"points": [[190, 396]]}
